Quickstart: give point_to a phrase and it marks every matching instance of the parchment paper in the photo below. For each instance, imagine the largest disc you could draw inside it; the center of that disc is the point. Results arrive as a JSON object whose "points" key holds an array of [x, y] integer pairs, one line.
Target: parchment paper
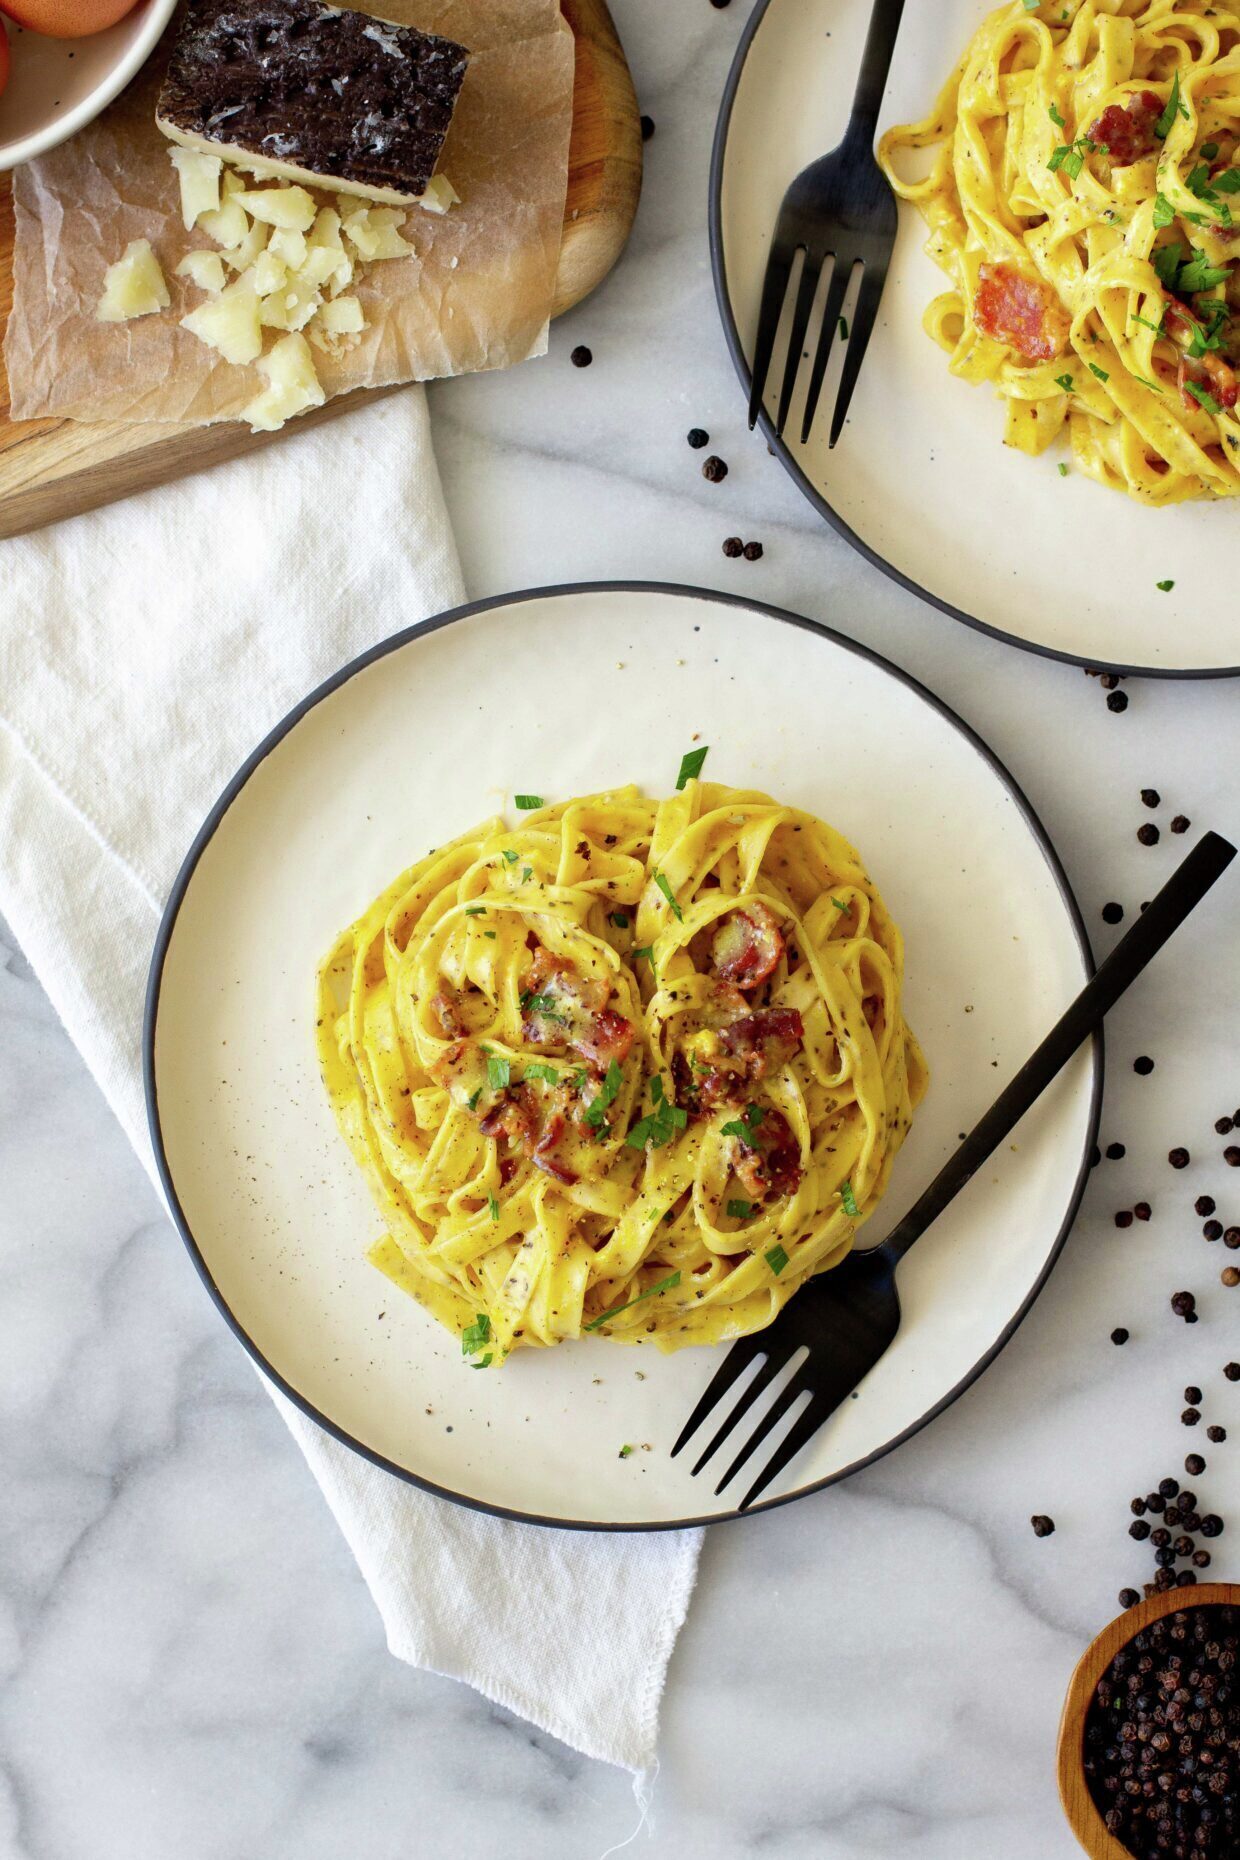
{"points": [[476, 294]]}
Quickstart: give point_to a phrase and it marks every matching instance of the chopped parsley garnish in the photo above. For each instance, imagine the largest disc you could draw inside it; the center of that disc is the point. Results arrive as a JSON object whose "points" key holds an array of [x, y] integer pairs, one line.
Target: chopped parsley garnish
{"points": [[664, 1285], [1146, 382], [1164, 212], [691, 766], [493, 1205], [473, 1098], [527, 873], [1072, 159], [1164, 587], [1159, 327], [1200, 275], [1199, 184], [619, 919], [509, 856], [475, 1335], [1228, 182], [547, 1073], [1209, 151], [1065, 382], [499, 1072], [740, 1210], [670, 895], [745, 1127], [527, 802], [776, 1259], [1056, 118], [1175, 107], [543, 1005], [645, 953], [1203, 397], [841, 906], [1063, 470], [849, 1200], [485, 1362], [661, 1124], [596, 1113], [490, 935], [1100, 372], [475, 910], [625, 1450]]}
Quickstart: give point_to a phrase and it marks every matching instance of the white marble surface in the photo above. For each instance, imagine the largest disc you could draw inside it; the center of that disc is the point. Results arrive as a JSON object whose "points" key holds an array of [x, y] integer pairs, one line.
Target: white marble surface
{"points": [[190, 1663]]}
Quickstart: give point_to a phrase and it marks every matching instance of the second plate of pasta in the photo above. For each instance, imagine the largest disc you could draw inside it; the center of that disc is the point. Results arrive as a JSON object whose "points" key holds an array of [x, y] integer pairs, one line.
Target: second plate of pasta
{"points": [[500, 1072], [1046, 437]]}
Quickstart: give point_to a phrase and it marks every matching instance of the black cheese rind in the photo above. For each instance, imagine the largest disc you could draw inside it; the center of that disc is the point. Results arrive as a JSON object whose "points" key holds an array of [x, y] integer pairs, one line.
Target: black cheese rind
{"points": [[322, 91]]}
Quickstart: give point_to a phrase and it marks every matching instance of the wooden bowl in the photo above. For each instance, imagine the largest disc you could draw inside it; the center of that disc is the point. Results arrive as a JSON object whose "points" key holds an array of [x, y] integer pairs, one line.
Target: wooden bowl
{"points": [[1079, 1806]]}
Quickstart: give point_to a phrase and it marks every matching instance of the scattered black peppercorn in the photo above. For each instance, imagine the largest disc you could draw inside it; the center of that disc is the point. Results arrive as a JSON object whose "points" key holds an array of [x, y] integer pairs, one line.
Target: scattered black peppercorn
{"points": [[1143, 1210], [1231, 1239], [733, 546], [1154, 1501], [1182, 1303], [1216, 1434], [753, 551], [1138, 1507], [1231, 1156], [1123, 1218], [1225, 1124], [1148, 834], [1112, 913], [1119, 1335], [1117, 700], [1192, 1393], [1232, 1371], [647, 128], [1213, 1230], [1179, 1159], [1139, 1529], [1204, 1204], [1042, 1526], [1212, 1526], [1202, 1559], [1190, 1417], [1128, 1598], [1195, 1465], [1115, 1152], [1143, 1066], [1181, 824], [1160, 1538], [1168, 1488], [714, 470], [581, 357], [1151, 797], [720, 4], [697, 438]]}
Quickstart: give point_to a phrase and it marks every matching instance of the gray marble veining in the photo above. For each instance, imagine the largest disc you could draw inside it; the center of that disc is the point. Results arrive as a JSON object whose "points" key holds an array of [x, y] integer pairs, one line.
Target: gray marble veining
{"points": [[191, 1666]]}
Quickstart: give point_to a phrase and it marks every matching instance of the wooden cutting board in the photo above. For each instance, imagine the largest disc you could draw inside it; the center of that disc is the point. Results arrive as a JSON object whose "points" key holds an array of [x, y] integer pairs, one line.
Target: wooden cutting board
{"points": [[51, 469]]}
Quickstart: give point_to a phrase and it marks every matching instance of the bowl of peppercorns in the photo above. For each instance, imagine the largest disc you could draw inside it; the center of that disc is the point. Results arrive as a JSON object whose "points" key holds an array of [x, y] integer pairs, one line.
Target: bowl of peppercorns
{"points": [[1149, 1746]]}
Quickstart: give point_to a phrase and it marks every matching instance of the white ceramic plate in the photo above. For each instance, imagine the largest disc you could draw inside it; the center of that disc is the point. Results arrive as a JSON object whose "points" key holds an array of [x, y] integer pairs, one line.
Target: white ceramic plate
{"points": [[921, 481], [415, 743], [57, 86]]}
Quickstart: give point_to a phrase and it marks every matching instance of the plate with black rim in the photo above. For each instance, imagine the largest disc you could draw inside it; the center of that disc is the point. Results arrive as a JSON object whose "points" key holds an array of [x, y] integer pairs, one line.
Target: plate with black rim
{"points": [[415, 742], [921, 482]]}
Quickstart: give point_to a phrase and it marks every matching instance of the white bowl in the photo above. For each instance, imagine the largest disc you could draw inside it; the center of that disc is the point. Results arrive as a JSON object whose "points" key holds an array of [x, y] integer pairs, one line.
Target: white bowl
{"points": [[57, 86]]}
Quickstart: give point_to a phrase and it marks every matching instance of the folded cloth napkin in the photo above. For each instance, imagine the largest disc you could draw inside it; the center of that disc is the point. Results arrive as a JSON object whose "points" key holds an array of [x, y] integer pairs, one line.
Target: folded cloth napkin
{"points": [[144, 650]]}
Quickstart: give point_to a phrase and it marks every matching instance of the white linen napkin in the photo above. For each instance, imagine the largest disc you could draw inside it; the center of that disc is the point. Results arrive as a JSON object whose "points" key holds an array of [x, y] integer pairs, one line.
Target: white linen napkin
{"points": [[144, 650]]}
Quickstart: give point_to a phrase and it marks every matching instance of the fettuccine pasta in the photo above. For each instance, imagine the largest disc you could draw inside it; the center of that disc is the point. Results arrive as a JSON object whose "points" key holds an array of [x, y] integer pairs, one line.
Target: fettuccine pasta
{"points": [[632, 1068], [1084, 199]]}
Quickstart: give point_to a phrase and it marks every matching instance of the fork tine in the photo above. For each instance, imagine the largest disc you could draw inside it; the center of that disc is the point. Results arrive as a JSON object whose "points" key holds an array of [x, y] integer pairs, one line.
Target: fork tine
{"points": [[826, 338], [749, 1395], [734, 1364], [799, 1435], [770, 1420], [873, 279], [774, 290], [807, 290]]}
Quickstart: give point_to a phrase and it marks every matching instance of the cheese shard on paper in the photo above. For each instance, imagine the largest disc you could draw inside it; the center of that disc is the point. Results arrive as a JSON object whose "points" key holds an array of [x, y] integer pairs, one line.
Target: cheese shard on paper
{"points": [[293, 386], [133, 286], [312, 93]]}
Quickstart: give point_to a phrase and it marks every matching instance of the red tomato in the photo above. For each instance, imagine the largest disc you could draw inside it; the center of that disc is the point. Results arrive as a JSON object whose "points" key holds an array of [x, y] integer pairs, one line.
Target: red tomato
{"points": [[66, 19]]}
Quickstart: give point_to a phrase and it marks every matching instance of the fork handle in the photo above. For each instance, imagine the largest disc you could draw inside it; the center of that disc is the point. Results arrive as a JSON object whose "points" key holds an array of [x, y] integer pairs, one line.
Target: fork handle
{"points": [[1181, 894], [880, 44]]}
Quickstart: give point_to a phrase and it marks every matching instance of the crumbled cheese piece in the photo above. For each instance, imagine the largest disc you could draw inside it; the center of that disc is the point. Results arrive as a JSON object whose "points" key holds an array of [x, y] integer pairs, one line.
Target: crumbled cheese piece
{"points": [[268, 273], [205, 269], [228, 226], [199, 176], [229, 323], [293, 386], [290, 207], [439, 196], [241, 257], [289, 246], [133, 286], [373, 230], [342, 317]]}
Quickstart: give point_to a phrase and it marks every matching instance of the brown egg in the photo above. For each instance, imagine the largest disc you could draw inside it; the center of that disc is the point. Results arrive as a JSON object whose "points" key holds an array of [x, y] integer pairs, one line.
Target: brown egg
{"points": [[66, 19]]}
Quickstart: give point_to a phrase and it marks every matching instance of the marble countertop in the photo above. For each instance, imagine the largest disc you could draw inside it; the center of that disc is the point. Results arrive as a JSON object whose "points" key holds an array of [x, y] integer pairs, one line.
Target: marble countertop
{"points": [[191, 1665]]}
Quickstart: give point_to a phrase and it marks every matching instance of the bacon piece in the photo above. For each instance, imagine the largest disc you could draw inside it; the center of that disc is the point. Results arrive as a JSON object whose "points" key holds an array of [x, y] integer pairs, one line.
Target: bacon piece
{"points": [[1126, 130], [1213, 376], [768, 1162], [447, 1011], [1022, 312], [570, 1010], [764, 1041], [519, 1119], [747, 946]]}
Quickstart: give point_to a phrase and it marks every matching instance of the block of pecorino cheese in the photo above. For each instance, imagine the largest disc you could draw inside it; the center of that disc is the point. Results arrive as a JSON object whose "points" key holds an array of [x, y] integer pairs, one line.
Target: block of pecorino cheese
{"points": [[313, 93]]}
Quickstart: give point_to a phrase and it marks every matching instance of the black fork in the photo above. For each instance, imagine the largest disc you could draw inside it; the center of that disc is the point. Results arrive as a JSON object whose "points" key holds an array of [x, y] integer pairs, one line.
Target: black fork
{"points": [[846, 1319], [840, 208]]}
